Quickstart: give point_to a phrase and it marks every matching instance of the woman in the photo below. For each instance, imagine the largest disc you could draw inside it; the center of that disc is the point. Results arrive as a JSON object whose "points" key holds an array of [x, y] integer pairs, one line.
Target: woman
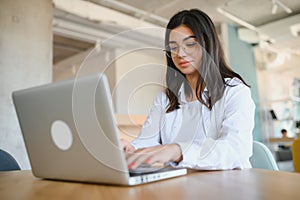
{"points": [[205, 118]]}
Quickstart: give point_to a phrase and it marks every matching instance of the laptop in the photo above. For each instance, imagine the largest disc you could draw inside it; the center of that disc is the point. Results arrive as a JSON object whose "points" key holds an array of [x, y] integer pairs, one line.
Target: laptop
{"points": [[70, 133]]}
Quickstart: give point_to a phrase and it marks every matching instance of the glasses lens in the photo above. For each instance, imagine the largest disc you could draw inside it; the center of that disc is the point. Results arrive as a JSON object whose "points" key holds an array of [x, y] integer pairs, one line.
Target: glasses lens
{"points": [[171, 49], [190, 46]]}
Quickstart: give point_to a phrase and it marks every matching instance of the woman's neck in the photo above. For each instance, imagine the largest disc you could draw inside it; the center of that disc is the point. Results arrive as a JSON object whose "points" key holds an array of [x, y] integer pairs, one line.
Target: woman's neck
{"points": [[192, 79]]}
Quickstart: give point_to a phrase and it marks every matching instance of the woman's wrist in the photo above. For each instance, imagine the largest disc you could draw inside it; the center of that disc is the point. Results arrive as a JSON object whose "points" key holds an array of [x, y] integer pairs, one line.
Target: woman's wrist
{"points": [[177, 155]]}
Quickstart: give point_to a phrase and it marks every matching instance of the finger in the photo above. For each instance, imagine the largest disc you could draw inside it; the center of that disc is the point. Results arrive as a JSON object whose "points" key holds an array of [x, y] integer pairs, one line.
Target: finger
{"points": [[132, 153], [132, 156], [124, 143], [138, 157], [153, 160], [129, 149], [141, 159]]}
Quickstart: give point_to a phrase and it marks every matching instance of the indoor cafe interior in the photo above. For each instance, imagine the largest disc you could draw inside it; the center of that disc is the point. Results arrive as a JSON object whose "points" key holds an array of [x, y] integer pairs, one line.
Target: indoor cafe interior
{"points": [[50, 41]]}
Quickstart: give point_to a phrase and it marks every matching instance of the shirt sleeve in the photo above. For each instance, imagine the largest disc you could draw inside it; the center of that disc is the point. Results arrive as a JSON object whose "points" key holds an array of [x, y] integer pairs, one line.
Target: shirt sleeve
{"points": [[150, 133], [233, 146]]}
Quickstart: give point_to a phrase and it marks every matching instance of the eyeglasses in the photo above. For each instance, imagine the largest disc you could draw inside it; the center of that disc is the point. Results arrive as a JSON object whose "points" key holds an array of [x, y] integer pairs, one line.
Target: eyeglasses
{"points": [[189, 46]]}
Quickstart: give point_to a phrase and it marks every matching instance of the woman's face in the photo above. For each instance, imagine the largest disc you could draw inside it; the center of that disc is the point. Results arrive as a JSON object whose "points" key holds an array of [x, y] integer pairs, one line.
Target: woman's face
{"points": [[185, 50]]}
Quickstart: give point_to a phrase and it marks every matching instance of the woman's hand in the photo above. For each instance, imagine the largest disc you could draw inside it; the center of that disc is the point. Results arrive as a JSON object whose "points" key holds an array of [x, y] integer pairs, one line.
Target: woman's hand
{"points": [[156, 154], [127, 147]]}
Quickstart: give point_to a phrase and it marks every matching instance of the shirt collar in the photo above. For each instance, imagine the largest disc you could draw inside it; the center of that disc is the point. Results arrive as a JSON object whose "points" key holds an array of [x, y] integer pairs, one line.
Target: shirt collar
{"points": [[182, 97]]}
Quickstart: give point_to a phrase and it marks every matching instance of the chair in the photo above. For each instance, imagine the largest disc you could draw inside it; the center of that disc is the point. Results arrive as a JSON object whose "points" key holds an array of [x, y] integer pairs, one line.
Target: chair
{"points": [[284, 154], [296, 155], [262, 157], [7, 162]]}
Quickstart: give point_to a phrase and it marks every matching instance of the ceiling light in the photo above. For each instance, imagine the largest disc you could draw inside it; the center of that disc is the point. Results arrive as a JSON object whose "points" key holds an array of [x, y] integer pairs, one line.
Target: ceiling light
{"points": [[278, 3], [274, 8], [237, 20], [295, 29]]}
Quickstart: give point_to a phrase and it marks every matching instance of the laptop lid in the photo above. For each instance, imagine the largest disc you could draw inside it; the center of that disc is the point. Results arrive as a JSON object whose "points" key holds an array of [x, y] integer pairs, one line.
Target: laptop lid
{"points": [[70, 132]]}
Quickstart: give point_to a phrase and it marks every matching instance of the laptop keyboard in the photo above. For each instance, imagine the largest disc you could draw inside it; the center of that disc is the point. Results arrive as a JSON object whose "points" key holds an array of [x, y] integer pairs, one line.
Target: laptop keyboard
{"points": [[148, 170]]}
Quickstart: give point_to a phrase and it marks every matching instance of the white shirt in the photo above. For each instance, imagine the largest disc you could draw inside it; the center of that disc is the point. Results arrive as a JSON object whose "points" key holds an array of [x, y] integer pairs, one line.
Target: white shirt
{"points": [[216, 139]]}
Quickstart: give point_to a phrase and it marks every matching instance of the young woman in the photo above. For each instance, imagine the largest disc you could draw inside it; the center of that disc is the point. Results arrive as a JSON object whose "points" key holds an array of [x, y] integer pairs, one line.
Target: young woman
{"points": [[205, 117]]}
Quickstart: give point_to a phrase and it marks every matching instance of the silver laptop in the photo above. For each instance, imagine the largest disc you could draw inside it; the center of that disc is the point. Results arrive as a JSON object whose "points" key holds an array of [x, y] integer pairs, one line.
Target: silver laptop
{"points": [[70, 134]]}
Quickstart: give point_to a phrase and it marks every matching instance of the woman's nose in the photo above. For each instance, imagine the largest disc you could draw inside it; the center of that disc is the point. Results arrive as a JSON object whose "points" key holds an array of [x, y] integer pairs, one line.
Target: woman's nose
{"points": [[181, 52]]}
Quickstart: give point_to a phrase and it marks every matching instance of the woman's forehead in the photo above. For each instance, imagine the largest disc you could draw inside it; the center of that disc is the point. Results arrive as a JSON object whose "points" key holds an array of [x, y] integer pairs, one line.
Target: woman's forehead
{"points": [[180, 33]]}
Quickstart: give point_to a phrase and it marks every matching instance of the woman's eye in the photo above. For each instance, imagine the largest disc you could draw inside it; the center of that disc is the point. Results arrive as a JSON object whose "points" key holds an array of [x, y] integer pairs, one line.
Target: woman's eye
{"points": [[173, 48], [190, 44]]}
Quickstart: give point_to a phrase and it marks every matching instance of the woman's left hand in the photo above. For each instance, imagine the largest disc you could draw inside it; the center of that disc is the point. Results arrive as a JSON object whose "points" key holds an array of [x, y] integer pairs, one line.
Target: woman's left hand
{"points": [[156, 154]]}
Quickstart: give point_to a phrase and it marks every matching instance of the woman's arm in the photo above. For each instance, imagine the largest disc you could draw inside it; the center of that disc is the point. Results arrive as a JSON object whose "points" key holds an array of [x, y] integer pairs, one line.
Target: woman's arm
{"points": [[150, 133]]}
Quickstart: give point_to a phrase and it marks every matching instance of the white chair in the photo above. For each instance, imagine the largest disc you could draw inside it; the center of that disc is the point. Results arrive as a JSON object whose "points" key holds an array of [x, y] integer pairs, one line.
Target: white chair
{"points": [[262, 157]]}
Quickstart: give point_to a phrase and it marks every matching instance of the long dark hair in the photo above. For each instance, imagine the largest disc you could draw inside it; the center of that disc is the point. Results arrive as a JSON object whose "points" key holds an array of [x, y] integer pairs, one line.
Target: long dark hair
{"points": [[213, 69]]}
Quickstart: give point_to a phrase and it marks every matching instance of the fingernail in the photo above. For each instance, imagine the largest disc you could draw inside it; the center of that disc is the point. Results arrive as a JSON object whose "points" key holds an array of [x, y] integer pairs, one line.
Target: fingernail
{"points": [[131, 166]]}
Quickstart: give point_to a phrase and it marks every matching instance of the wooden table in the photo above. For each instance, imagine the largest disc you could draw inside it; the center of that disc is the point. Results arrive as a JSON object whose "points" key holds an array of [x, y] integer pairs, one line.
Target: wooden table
{"points": [[254, 184]]}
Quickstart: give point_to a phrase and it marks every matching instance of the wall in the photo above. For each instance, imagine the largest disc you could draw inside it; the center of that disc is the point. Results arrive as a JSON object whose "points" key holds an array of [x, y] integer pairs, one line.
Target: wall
{"points": [[241, 59], [86, 63], [25, 61], [140, 77], [135, 76]]}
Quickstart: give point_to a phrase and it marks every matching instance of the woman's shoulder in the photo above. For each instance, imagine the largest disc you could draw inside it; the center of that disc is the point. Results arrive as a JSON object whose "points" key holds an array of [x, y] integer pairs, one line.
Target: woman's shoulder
{"points": [[236, 86], [161, 99], [233, 81]]}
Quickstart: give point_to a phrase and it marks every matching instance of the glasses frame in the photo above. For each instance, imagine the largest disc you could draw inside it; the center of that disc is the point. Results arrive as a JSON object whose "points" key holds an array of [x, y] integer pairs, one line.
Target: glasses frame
{"points": [[169, 52]]}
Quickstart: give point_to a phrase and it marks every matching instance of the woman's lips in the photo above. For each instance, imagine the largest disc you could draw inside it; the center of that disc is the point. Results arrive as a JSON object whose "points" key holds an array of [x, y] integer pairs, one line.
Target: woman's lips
{"points": [[184, 63]]}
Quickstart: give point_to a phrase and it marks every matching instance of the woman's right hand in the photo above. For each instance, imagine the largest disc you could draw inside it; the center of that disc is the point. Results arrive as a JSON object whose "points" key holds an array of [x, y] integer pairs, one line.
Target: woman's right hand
{"points": [[127, 147]]}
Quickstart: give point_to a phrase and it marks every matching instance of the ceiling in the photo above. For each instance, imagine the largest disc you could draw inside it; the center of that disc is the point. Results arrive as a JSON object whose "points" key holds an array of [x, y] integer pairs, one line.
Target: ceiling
{"points": [[64, 47], [256, 12], [258, 15]]}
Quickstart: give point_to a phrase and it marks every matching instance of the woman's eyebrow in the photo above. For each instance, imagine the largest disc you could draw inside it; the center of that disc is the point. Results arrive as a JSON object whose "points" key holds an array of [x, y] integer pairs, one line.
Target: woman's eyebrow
{"points": [[186, 38], [192, 36]]}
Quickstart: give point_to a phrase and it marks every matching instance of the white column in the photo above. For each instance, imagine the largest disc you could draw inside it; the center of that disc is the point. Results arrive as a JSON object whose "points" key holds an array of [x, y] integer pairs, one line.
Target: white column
{"points": [[25, 61]]}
